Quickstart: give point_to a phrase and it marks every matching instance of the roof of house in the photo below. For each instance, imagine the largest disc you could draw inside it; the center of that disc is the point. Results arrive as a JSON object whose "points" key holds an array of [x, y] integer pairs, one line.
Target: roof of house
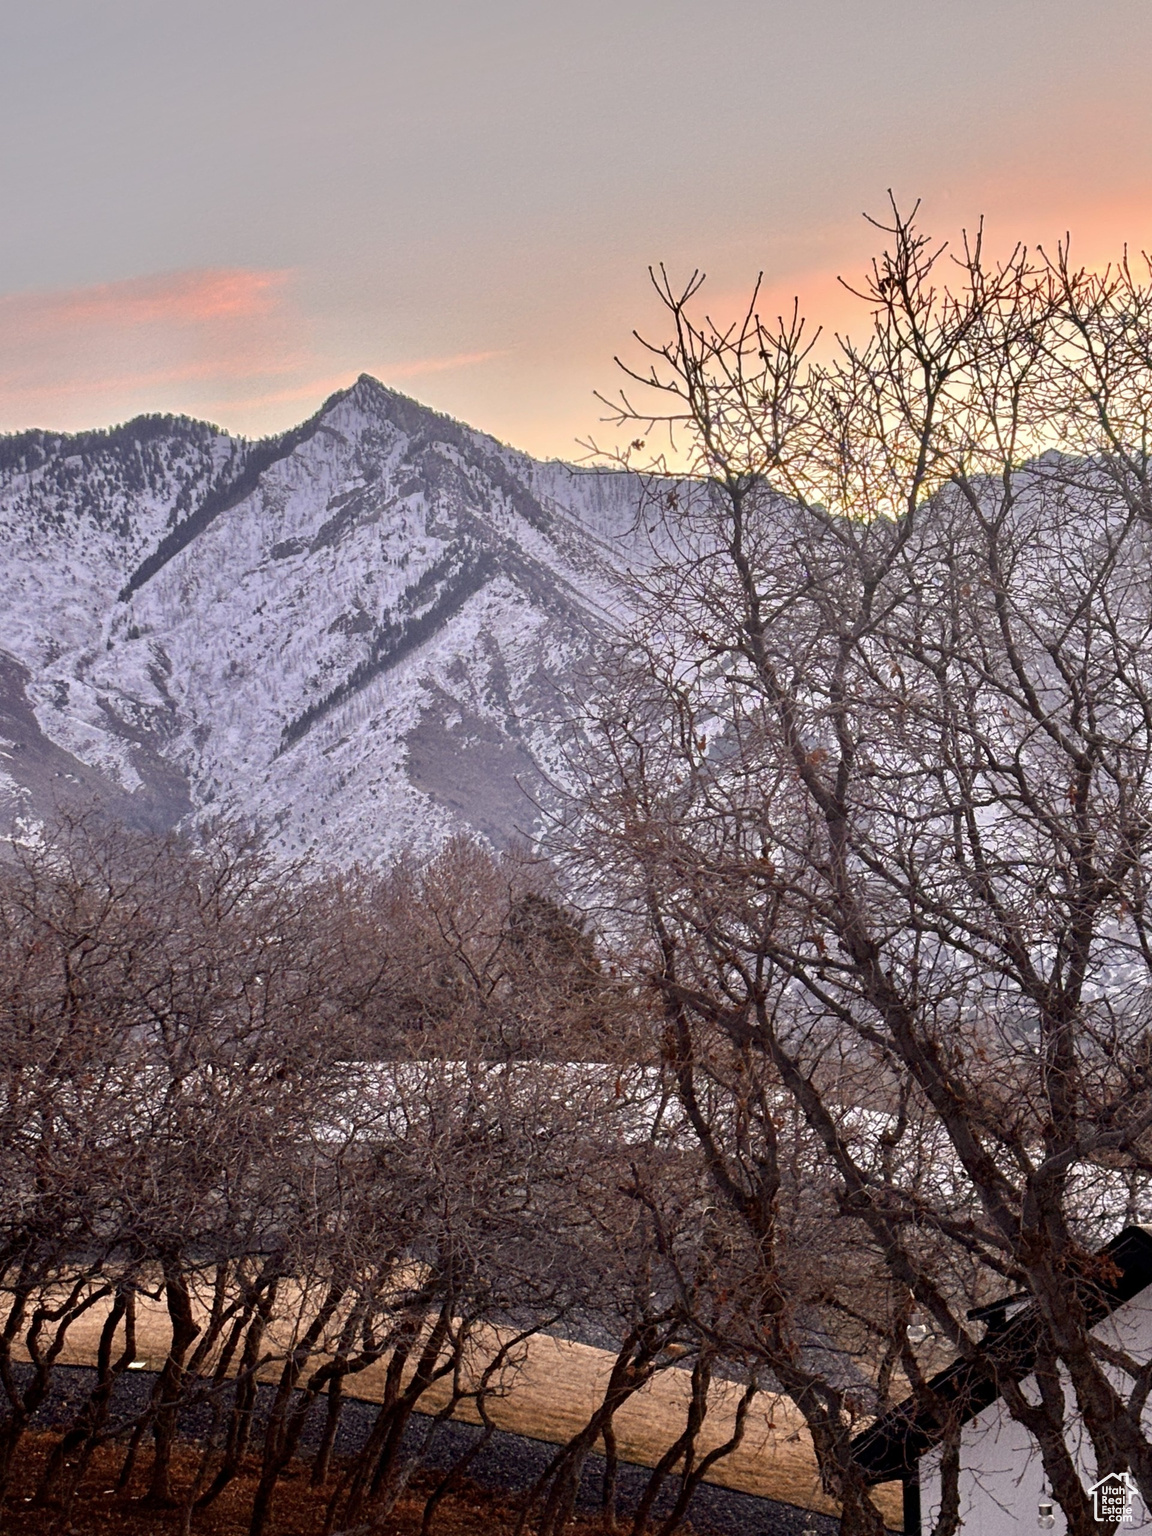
{"points": [[892, 1447]]}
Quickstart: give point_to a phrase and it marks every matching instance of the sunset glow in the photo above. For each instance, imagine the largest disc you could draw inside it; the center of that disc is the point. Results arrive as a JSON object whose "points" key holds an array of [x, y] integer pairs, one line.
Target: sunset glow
{"points": [[465, 201]]}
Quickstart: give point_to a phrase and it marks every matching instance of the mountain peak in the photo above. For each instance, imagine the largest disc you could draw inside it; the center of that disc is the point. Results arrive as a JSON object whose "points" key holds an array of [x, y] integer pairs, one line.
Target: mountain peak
{"points": [[358, 633]]}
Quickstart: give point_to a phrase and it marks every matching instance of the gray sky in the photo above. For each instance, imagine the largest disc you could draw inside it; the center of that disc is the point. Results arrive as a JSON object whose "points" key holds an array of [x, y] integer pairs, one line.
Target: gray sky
{"points": [[233, 208]]}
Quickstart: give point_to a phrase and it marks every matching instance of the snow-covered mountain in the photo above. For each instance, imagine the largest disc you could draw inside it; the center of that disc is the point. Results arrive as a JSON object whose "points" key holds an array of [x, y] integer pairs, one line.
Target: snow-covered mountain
{"points": [[358, 633]]}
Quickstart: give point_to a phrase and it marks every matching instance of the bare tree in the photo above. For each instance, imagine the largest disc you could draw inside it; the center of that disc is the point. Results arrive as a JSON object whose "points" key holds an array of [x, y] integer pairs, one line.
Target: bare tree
{"points": [[474, 947], [873, 775], [296, 1130]]}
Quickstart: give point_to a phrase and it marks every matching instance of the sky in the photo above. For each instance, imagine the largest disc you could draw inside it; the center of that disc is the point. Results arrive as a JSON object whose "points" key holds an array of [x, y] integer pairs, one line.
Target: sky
{"points": [[231, 208]]}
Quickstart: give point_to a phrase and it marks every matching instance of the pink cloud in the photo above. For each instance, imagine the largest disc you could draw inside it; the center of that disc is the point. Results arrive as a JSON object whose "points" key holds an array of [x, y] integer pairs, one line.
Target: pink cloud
{"points": [[79, 355], [318, 388], [419, 366], [180, 298], [238, 367], [315, 390], [228, 342], [1035, 212]]}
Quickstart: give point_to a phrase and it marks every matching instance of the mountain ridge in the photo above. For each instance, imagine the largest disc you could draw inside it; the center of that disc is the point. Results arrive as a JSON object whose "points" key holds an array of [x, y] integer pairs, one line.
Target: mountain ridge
{"points": [[357, 633]]}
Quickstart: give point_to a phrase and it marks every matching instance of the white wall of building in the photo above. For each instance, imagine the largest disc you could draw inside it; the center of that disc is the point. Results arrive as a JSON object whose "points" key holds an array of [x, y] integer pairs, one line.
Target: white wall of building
{"points": [[1001, 1474]]}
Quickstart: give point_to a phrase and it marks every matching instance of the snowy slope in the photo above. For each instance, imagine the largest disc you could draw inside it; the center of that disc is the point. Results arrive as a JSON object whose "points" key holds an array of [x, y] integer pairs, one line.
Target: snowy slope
{"points": [[358, 634]]}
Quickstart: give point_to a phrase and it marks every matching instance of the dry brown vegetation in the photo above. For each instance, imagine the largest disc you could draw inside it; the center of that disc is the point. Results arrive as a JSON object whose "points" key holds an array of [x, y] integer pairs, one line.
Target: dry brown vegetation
{"points": [[290, 1141], [472, 1511]]}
